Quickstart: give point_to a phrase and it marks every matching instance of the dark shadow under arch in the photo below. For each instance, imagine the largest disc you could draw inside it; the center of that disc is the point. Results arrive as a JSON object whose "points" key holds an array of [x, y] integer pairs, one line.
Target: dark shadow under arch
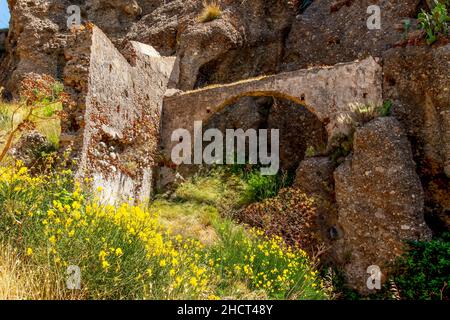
{"points": [[299, 127]]}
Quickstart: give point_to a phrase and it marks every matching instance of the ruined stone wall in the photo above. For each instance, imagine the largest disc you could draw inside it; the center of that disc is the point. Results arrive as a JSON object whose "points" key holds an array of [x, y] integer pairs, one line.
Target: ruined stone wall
{"points": [[114, 125], [327, 92]]}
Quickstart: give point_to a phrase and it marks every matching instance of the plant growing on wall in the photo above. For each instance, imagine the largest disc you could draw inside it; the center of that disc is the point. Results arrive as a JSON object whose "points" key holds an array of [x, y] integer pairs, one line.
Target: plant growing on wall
{"points": [[435, 22], [211, 11]]}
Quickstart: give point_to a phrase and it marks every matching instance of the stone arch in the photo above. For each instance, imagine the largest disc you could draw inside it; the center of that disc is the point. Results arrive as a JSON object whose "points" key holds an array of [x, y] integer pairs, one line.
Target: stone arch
{"points": [[264, 93], [327, 92]]}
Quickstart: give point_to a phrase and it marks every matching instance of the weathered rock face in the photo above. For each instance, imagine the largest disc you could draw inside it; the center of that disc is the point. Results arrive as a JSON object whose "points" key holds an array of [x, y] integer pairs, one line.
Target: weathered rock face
{"points": [[417, 80], [380, 200], [247, 41], [314, 177], [333, 31], [3, 34], [171, 27], [34, 43], [160, 25]]}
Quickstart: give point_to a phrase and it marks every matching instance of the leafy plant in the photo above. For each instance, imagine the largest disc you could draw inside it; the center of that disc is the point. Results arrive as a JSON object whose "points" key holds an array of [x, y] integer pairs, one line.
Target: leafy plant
{"points": [[259, 187], [435, 22], [406, 28], [386, 109], [310, 152], [423, 272]]}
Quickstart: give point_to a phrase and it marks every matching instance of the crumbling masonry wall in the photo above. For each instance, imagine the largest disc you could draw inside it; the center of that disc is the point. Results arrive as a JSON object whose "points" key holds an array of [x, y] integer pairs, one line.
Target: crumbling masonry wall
{"points": [[113, 125], [327, 92]]}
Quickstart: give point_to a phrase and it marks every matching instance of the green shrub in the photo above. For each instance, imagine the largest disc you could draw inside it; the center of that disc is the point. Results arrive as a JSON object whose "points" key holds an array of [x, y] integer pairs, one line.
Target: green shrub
{"points": [[386, 109], [435, 22], [423, 272], [259, 187]]}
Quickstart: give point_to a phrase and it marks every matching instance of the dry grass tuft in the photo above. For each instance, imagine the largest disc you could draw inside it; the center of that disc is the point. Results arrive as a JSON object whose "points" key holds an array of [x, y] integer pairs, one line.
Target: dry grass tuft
{"points": [[211, 11], [20, 280]]}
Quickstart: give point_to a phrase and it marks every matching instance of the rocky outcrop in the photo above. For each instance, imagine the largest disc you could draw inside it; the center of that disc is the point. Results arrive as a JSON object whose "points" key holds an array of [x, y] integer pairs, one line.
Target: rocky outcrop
{"points": [[417, 80], [380, 200], [314, 177], [34, 43], [3, 34], [332, 31], [171, 27]]}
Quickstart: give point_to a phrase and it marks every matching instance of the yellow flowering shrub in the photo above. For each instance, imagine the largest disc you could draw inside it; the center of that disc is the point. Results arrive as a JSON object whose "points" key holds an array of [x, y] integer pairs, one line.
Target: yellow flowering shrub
{"points": [[125, 252]]}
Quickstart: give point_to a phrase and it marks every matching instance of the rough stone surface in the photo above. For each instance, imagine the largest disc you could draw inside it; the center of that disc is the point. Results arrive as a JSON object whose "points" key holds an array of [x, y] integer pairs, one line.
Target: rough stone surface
{"points": [[380, 200], [417, 80], [330, 32], [299, 129], [115, 128], [314, 177], [3, 34], [327, 92]]}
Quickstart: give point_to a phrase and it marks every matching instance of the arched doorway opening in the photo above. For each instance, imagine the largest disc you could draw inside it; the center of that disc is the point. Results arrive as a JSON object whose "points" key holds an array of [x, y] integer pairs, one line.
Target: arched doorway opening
{"points": [[300, 130]]}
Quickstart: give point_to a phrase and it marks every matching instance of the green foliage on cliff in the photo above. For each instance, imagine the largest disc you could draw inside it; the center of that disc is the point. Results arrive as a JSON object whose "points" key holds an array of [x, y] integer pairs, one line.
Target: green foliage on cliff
{"points": [[424, 270], [435, 23]]}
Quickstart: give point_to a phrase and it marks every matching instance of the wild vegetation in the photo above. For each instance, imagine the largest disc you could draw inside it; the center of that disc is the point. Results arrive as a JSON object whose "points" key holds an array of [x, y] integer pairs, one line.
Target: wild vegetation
{"points": [[435, 23], [180, 247], [38, 110], [136, 252]]}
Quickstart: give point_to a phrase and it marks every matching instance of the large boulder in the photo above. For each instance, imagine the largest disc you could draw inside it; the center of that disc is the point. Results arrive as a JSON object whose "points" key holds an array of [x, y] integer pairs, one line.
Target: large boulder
{"points": [[314, 177], [417, 80], [380, 201]]}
